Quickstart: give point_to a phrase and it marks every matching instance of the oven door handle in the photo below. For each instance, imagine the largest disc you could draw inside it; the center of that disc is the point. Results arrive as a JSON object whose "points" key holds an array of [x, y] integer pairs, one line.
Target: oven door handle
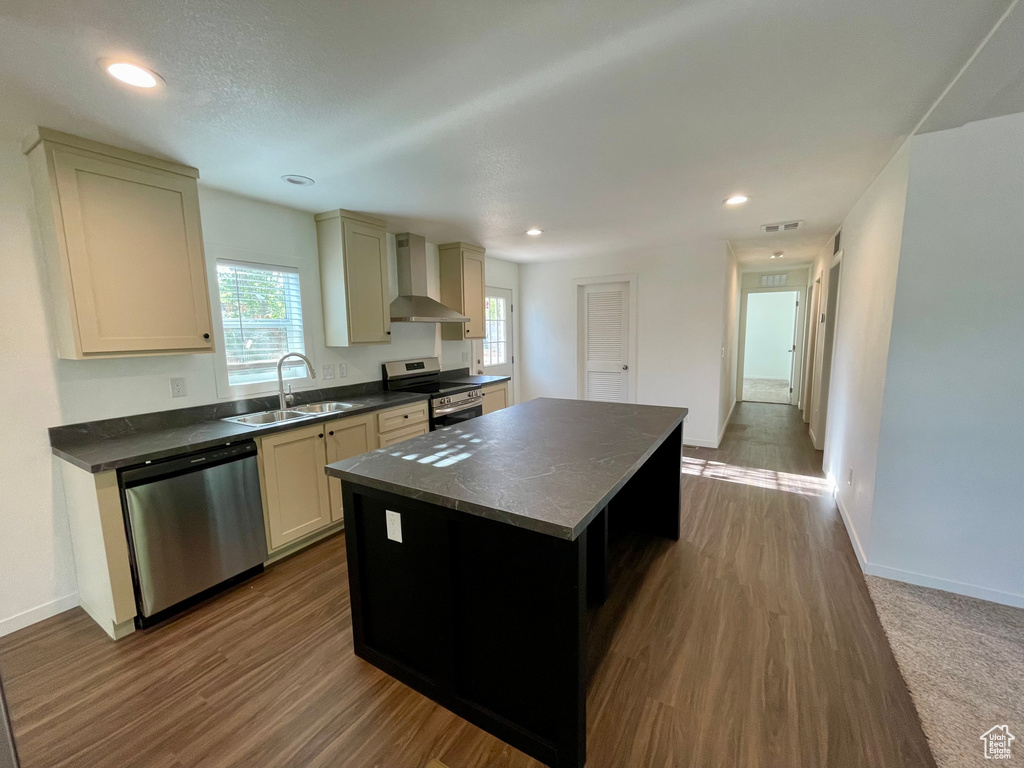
{"points": [[457, 408]]}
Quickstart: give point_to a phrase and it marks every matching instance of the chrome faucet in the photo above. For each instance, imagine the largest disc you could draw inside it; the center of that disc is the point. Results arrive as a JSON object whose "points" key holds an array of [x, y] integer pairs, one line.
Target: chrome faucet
{"points": [[285, 399]]}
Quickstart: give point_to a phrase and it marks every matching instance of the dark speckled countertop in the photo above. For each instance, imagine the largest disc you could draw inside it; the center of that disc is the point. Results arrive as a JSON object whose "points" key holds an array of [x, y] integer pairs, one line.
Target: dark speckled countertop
{"points": [[98, 446], [116, 443], [547, 465]]}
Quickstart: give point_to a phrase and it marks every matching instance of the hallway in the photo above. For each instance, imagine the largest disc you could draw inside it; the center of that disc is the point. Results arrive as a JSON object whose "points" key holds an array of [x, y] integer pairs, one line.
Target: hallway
{"points": [[751, 642]]}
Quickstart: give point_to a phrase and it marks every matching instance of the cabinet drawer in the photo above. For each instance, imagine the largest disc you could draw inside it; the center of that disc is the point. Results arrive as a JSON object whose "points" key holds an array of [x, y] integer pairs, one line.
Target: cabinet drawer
{"points": [[398, 435], [399, 418]]}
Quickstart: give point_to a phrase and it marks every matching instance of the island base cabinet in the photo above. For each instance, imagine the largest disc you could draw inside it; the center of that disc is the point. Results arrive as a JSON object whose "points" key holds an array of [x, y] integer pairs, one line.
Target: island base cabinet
{"points": [[296, 496], [483, 617]]}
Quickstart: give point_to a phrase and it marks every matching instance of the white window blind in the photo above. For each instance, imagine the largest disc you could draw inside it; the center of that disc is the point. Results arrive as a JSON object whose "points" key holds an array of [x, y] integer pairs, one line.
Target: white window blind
{"points": [[495, 331], [261, 309]]}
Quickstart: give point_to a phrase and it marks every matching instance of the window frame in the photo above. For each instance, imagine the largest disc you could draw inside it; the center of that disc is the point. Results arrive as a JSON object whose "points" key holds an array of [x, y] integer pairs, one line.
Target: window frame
{"points": [[506, 321], [309, 287]]}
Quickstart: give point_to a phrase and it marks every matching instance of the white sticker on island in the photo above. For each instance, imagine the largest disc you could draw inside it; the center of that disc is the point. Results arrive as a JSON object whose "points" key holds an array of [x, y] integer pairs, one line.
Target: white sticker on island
{"points": [[394, 523]]}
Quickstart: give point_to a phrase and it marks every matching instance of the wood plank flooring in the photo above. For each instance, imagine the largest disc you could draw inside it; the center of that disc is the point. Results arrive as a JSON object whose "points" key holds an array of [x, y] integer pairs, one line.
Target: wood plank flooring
{"points": [[750, 642]]}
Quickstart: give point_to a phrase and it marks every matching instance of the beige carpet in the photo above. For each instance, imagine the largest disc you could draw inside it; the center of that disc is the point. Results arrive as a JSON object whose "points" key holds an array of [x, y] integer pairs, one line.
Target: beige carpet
{"points": [[963, 660], [766, 390]]}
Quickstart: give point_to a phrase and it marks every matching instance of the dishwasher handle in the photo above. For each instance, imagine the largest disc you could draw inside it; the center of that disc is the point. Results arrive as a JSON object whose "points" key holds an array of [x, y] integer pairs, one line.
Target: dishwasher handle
{"points": [[192, 462]]}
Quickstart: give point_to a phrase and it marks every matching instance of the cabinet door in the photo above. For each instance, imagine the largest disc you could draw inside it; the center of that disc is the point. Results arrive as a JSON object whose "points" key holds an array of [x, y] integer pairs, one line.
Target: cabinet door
{"points": [[297, 500], [347, 438], [495, 398], [473, 290], [135, 256], [391, 438], [366, 281]]}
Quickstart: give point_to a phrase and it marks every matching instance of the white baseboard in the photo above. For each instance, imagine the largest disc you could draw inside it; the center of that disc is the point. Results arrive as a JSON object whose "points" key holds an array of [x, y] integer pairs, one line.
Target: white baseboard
{"points": [[946, 585], [699, 443], [37, 614], [725, 426], [858, 548]]}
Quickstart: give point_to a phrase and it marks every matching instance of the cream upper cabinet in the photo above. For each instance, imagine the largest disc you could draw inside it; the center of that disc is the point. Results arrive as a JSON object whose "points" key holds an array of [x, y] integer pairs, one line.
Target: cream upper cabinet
{"points": [[347, 438], [462, 288], [123, 249], [296, 496], [495, 397], [354, 278]]}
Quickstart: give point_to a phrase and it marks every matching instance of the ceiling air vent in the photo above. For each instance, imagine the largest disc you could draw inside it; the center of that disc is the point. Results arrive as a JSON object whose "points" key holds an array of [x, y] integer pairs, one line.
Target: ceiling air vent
{"points": [[786, 226]]}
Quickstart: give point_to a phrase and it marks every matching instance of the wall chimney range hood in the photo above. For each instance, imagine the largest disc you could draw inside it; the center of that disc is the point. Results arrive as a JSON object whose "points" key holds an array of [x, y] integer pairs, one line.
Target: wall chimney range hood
{"points": [[413, 305]]}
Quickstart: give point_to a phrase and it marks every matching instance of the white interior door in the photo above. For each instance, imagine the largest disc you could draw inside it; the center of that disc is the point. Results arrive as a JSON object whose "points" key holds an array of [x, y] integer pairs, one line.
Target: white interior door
{"points": [[604, 351], [496, 357]]}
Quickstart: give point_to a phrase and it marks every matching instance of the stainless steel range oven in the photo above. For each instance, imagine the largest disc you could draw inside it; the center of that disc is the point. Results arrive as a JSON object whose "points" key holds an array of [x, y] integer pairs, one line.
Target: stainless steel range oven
{"points": [[451, 402]]}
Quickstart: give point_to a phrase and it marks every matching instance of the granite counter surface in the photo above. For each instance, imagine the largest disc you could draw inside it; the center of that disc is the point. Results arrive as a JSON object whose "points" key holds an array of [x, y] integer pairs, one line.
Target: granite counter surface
{"points": [[547, 465], [115, 443]]}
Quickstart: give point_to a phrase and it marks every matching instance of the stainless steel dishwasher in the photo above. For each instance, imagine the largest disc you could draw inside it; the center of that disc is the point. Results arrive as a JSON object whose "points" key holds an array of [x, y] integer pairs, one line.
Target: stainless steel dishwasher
{"points": [[195, 524]]}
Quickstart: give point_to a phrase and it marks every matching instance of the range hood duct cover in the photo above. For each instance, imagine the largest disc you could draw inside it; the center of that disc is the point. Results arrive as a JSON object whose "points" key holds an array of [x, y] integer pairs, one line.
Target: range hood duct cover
{"points": [[413, 305]]}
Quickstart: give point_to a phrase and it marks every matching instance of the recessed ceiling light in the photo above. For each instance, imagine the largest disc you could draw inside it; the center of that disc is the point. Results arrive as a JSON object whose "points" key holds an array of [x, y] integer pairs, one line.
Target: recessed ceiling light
{"points": [[298, 181], [534, 232], [133, 74], [736, 200], [777, 255]]}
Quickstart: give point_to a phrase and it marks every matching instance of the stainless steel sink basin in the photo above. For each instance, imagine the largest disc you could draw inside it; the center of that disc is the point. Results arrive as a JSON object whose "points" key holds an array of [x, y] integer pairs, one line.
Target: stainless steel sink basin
{"points": [[266, 417], [323, 407]]}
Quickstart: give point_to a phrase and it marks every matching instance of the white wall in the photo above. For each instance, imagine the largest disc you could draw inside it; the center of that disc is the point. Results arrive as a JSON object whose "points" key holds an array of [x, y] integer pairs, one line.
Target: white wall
{"points": [[505, 274], [730, 342], [949, 494], [769, 335], [680, 296], [36, 568], [37, 572], [870, 245]]}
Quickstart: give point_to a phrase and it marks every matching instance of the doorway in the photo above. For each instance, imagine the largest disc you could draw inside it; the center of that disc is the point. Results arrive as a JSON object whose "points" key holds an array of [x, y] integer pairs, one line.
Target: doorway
{"points": [[772, 325], [497, 357], [606, 342]]}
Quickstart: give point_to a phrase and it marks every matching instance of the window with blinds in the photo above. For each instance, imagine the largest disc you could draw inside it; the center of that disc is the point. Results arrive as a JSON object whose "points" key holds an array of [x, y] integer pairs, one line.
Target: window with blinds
{"points": [[495, 340], [261, 309]]}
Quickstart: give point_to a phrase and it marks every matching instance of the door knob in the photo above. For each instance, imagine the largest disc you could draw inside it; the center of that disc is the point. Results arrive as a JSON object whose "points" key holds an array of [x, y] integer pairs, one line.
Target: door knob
{"points": [[625, 367]]}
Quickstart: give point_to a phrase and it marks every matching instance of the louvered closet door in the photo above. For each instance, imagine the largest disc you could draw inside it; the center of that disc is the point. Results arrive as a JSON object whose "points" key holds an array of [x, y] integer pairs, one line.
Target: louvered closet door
{"points": [[606, 342]]}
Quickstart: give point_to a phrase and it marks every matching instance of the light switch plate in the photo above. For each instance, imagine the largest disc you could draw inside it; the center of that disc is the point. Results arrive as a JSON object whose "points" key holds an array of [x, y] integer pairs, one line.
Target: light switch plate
{"points": [[465, 357], [342, 370], [394, 524], [328, 371], [179, 387]]}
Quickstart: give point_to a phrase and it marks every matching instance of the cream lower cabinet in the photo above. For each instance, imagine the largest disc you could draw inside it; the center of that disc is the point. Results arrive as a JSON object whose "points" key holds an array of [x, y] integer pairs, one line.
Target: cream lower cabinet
{"points": [[296, 495], [495, 397], [398, 424], [347, 438]]}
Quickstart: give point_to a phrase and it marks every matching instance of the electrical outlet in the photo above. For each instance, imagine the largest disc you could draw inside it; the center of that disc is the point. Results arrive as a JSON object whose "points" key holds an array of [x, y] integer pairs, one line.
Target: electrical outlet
{"points": [[394, 524], [328, 371], [849, 477], [465, 357], [179, 387], [342, 370]]}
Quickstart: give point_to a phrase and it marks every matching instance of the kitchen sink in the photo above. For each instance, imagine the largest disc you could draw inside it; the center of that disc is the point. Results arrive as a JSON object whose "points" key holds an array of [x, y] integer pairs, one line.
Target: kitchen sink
{"points": [[267, 417], [323, 407]]}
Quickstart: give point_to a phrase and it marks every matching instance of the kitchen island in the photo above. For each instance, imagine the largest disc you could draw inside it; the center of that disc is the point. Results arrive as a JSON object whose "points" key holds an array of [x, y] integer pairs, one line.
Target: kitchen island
{"points": [[474, 553]]}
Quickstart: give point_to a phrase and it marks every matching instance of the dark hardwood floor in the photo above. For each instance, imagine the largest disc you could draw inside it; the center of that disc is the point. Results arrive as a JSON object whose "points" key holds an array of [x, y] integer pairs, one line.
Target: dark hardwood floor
{"points": [[750, 642]]}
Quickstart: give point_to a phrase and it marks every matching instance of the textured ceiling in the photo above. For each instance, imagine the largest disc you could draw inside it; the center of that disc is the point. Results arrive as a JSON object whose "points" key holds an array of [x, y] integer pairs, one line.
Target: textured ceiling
{"points": [[614, 127]]}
